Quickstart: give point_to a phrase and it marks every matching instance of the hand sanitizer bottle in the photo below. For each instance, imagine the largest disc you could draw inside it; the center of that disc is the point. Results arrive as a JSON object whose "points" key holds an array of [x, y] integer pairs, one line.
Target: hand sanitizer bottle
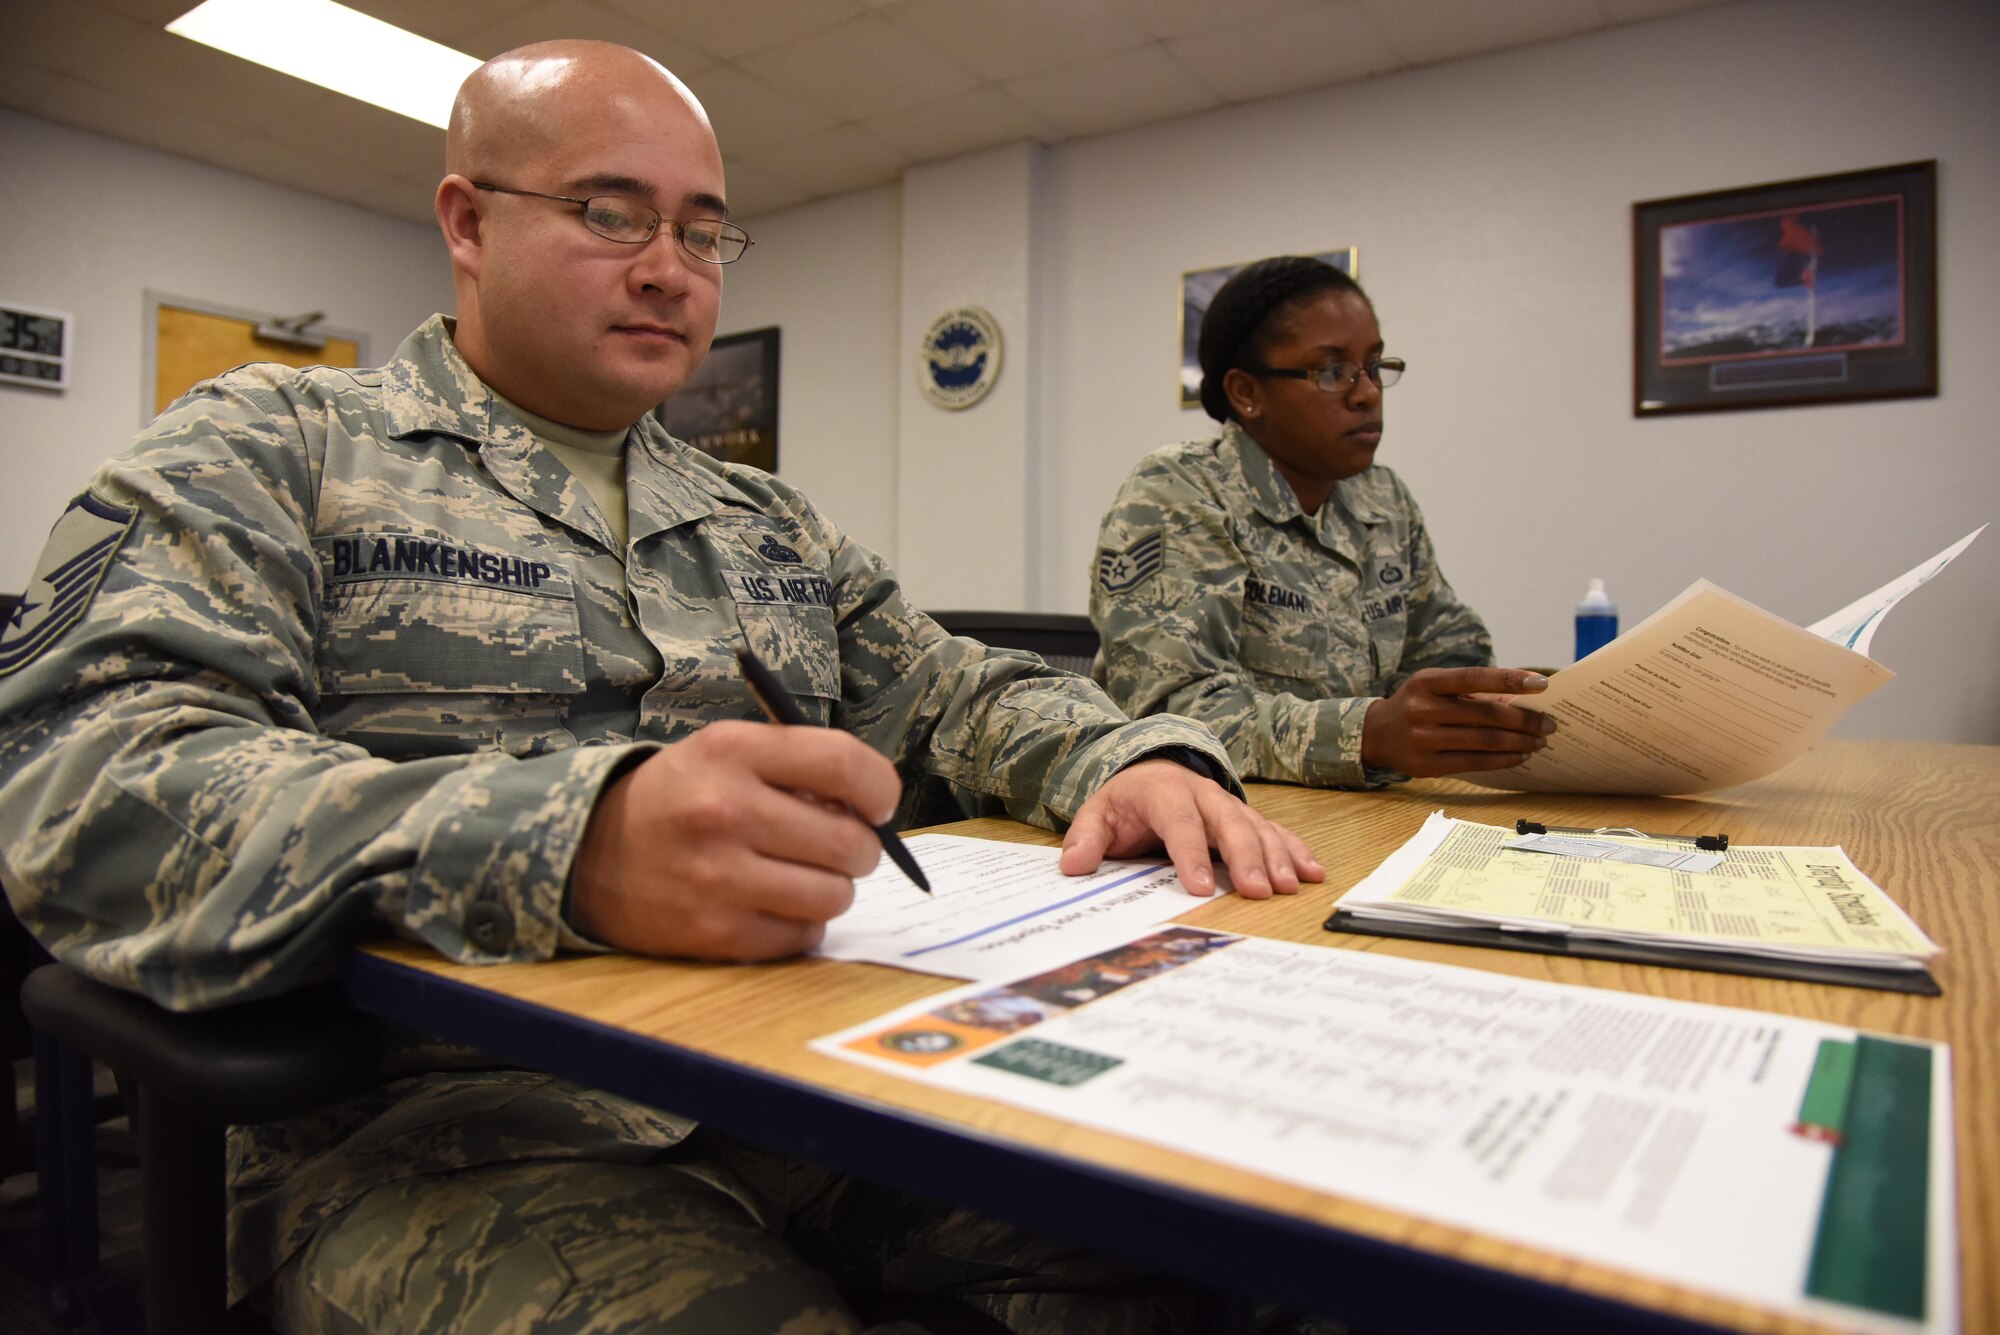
{"points": [[1596, 619]]}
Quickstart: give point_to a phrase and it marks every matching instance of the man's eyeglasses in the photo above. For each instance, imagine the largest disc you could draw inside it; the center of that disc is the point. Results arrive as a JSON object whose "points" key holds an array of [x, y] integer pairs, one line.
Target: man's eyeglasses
{"points": [[1340, 377], [631, 222]]}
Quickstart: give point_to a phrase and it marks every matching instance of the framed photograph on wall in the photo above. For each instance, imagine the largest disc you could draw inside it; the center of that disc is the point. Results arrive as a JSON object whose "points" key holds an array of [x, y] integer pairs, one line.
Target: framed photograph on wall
{"points": [[729, 407], [1810, 291], [1198, 289]]}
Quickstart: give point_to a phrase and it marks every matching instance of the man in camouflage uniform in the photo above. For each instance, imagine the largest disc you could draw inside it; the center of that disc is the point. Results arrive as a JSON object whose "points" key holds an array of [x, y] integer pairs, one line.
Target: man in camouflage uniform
{"points": [[448, 646], [1276, 584]]}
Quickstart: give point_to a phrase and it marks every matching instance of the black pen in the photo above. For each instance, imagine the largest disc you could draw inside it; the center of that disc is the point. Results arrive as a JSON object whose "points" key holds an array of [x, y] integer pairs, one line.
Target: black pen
{"points": [[779, 707]]}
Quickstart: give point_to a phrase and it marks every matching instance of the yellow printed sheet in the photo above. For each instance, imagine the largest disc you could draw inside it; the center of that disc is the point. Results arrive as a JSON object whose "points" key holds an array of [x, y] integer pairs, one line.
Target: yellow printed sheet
{"points": [[1809, 903]]}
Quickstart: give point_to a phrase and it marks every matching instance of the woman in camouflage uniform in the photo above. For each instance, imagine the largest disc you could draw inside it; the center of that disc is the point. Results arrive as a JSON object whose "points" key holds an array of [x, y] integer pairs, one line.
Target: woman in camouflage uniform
{"points": [[1277, 584]]}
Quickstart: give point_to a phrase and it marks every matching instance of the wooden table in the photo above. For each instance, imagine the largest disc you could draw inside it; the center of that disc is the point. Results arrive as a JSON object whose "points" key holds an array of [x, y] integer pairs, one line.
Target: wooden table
{"points": [[728, 1044]]}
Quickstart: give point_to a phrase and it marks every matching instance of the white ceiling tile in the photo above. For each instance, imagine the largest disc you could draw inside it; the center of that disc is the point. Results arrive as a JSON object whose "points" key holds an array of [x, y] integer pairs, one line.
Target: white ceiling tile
{"points": [[445, 21], [1174, 18], [1113, 92], [158, 13], [361, 135], [135, 117], [864, 67], [752, 192], [1635, 11], [549, 20], [1283, 53], [906, 76], [750, 114], [731, 28], [830, 163], [1019, 37], [959, 124], [1422, 31], [23, 86], [79, 40], [272, 160]]}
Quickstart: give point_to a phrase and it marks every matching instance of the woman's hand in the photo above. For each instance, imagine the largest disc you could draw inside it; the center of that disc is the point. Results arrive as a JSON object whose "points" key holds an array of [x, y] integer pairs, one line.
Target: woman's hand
{"points": [[1437, 722]]}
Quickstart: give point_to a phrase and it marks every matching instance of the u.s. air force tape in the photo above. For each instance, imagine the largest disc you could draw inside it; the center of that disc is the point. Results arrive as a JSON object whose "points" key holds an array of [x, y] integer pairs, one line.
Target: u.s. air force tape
{"points": [[796, 590]]}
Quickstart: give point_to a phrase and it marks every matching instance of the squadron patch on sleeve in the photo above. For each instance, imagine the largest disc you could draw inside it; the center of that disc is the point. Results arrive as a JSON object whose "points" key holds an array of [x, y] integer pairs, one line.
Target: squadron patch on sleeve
{"points": [[80, 549], [1127, 569]]}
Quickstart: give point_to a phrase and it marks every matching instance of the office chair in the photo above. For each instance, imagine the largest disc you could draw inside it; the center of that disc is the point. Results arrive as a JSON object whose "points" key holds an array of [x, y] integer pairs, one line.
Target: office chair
{"points": [[1063, 639], [193, 1076]]}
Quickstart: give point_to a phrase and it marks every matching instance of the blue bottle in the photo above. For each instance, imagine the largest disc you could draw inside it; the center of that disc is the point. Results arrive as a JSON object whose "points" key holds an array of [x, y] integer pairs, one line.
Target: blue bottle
{"points": [[1596, 620]]}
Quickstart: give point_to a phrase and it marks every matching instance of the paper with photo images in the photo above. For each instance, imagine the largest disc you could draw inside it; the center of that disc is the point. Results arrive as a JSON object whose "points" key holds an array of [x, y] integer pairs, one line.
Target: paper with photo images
{"points": [[1698, 1144]]}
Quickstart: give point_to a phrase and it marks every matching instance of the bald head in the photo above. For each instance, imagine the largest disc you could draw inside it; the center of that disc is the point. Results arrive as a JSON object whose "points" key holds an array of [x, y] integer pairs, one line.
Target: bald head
{"points": [[576, 326], [520, 105]]}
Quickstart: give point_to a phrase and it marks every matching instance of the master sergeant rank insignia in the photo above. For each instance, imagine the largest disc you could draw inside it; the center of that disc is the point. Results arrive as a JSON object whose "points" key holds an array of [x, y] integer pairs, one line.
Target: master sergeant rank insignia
{"points": [[80, 549], [1119, 571]]}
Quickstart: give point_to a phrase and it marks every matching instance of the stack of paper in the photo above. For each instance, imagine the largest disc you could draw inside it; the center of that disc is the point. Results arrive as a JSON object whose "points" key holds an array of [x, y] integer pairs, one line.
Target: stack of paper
{"points": [[1810, 904], [1708, 692]]}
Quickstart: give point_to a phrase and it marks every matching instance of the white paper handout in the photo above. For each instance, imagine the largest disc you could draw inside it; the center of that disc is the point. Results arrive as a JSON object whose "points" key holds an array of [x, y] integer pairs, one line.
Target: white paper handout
{"points": [[1796, 1165], [998, 908], [1708, 692], [1853, 626]]}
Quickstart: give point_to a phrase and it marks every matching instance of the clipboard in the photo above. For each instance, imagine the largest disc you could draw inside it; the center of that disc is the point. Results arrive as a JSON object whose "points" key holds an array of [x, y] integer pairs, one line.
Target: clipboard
{"points": [[1916, 982]]}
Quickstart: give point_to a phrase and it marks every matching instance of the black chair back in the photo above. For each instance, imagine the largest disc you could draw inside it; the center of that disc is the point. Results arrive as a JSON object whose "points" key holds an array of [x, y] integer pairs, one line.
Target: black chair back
{"points": [[1063, 639]]}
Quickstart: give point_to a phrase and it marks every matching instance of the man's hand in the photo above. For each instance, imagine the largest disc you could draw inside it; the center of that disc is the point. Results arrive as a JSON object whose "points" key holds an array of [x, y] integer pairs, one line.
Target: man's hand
{"points": [[1437, 724], [738, 843], [1159, 802]]}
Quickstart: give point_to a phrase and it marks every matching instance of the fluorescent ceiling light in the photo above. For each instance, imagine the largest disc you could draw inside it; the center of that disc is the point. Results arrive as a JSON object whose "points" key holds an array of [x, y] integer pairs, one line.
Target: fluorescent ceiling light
{"points": [[335, 47]]}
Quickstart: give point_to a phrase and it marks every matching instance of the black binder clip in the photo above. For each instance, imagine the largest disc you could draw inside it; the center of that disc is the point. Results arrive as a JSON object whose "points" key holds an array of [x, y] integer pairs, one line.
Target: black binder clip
{"points": [[1707, 843]]}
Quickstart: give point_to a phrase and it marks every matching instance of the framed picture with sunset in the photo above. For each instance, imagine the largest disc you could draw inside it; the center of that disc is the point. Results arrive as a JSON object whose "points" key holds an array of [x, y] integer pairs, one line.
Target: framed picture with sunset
{"points": [[1810, 291]]}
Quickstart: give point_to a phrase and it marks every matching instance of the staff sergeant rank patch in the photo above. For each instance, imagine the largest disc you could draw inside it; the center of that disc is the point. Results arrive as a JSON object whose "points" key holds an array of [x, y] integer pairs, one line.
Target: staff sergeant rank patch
{"points": [[80, 549], [1119, 571]]}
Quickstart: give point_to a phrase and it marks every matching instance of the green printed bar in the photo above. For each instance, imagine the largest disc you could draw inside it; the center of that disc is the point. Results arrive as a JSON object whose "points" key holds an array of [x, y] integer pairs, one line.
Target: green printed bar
{"points": [[1874, 1222], [1051, 1063], [1825, 1103]]}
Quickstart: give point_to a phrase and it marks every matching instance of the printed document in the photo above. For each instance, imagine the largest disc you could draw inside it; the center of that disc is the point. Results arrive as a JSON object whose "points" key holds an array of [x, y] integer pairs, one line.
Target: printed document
{"points": [[1853, 626], [1708, 692], [1799, 1166], [1784, 902], [999, 908]]}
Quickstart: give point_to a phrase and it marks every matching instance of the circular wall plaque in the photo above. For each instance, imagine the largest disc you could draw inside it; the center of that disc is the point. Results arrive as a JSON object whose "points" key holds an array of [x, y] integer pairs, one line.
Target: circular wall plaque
{"points": [[959, 357]]}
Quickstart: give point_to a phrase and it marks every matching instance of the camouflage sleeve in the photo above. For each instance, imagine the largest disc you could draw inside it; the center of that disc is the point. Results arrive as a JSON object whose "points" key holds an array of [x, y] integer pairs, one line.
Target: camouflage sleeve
{"points": [[1171, 632], [1442, 631], [975, 731], [171, 819]]}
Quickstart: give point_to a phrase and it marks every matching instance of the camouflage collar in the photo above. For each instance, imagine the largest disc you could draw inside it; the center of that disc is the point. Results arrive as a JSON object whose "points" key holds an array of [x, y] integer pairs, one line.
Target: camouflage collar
{"points": [[430, 389], [1273, 497], [668, 484]]}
